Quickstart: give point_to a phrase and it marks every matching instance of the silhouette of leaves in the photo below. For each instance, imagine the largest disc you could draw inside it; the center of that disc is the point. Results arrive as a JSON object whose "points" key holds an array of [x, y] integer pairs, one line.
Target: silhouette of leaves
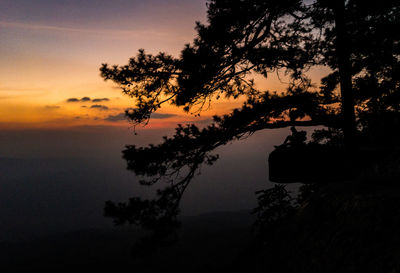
{"points": [[357, 41]]}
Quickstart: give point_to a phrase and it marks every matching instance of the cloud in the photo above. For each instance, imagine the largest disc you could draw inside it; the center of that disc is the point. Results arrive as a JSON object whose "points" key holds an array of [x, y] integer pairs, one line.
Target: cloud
{"points": [[117, 117], [100, 100], [122, 116], [51, 107], [85, 99], [13, 92], [161, 116], [117, 33], [99, 106]]}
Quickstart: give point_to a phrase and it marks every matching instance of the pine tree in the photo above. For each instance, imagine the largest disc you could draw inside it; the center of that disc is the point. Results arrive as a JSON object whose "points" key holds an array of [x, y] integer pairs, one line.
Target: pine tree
{"points": [[357, 40]]}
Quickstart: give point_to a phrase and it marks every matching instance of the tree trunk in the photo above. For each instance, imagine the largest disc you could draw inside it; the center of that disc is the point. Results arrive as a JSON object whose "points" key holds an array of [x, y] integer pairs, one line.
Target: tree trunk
{"points": [[344, 65]]}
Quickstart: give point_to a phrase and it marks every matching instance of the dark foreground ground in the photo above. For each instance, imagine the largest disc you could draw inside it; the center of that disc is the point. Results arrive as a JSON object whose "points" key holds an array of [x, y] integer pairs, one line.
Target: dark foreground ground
{"points": [[346, 227], [207, 242], [342, 228]]}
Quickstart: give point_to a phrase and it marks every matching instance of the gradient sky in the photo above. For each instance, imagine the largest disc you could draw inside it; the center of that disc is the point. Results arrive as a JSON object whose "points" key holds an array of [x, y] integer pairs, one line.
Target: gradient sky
{"points": [[60, 160], [51, 51]]}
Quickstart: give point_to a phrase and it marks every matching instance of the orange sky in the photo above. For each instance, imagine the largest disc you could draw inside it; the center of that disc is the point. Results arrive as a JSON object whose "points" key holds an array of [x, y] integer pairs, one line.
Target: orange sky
{"points": [[49, 55]]}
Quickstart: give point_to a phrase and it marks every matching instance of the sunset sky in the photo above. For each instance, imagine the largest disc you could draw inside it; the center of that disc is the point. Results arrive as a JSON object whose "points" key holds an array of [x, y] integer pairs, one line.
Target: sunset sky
{"points": [[51, 52], [215, 186], [61, 128]]}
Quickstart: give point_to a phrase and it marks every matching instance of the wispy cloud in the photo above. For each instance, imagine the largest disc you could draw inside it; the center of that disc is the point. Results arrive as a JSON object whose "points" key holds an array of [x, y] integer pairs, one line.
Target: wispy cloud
{"points": [[44, 27], [16, 89], [12, 92], [117, 117], [52, 107], [123, 33], [161, 116], [122, 116]]}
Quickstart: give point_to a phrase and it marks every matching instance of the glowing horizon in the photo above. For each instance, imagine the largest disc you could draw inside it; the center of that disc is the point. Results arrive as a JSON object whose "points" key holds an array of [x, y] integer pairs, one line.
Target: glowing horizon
{"points": [[52, 52]]}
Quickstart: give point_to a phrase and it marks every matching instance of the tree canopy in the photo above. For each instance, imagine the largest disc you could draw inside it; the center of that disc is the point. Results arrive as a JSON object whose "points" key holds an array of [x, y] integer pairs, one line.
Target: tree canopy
{"points": [[357, 40]]}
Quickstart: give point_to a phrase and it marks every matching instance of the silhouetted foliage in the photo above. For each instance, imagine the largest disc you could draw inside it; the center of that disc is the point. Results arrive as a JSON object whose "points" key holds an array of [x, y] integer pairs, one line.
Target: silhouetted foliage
{"points": [[274, 206], [357, 40], [342, 227]]}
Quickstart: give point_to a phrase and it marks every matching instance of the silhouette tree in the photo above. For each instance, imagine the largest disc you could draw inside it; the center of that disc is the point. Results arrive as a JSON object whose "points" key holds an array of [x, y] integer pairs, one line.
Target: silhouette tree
{"points": [[357, 40]]}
